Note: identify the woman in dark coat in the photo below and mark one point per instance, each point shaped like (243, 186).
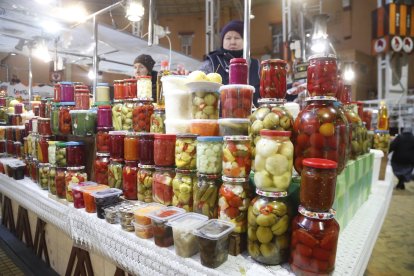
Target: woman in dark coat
(402, 160)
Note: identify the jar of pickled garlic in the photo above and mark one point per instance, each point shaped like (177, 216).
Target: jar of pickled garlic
(204, 100)
(273, 79)
(118, 90)
(164, 149)
(61, 154)
(205, 195)
(101, 168)
(268, 229)
(186, 151)
(236, 100)
(51, 180)
(102, 139)
(273, 162)
(131, 149)
(82, 99)
(54, 119)
(162, 189)
(141, 116)
(321, 130)
(313, 243)
(130, 178)
(115, 174)
(130, 88)
(146, 148)
(233, 202)
(144, 88)
(238, 71)
(145, 180)
(183, 183)
(102, 92)
(237, 156)
(104, 116)
(65, 121)
(157, 122)
(75, 154)
(116, 145)
(60, 182)
(43, 149)
(209, 154)
(74, 176)
(322, 75)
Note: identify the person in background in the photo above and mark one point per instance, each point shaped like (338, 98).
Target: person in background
(143, 66)
(402, 161)
(218, 61)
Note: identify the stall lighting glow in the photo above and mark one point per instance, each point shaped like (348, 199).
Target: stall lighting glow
(41, 51)
(349, 75)
(51, 27)
(44, 2)
(91, 75)
(135, 11)
(319, 45)
(76, 13)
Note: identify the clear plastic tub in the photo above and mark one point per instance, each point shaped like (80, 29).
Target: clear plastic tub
(231, 126)
(77, 193)
(163, 236)
(105, 198)
(141, 214)
(176, 126)
(204, 99)
(143, 231)
(177, 98)
(88, 199)
(205, 127)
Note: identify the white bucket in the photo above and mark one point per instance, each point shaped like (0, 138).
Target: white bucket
(177, 97)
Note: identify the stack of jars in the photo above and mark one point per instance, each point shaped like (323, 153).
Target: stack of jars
(116, 160)
(3, 111)
(32, 149)
(15, 118)
(146, 167)
(314, 230)
(130, 170)
(102, 142)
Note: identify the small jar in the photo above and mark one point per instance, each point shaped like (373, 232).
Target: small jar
(82, 99)
(51, 152)
(382, 140)
(44, 127)
(75, 154)
(186, 151)
(74, 176)
(65, 121)
(61, 154)
(116, 145)
(101, 168)
(141, 116)
(209, 154)
(318, 184)
(314, 242)
(130, 88)
(183, 183)
(146, 148)
(17, 150)
(144, 87)
(236, 100)
(102, 140)
(158, 121)
(102, 92)
(67, 91)
(131, 149)
(145, 180)
(60, 182)
(130, 178)
(164, 149)
(83, 122)
(162, 190)
(104, 116)
(273, 79)
(237, 156)
(51, 180)
(205, 195)
(238, 71)
(43, 149)
(322, 75)
(43, 175)
(54, 119)
(115, 174)
(118, 89)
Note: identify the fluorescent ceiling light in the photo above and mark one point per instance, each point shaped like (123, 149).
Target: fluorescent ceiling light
(51, 27)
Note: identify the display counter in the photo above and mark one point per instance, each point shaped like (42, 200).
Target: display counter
(111, 246)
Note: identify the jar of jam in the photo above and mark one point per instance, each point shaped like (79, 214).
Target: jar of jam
(382, 140)
(54, 118)
(144, 88)
(65, 121)
(43, 149)
(186, 151)
(273, 162)
(43, 175)
(321, 131)
(131, 149)
(238, 71)
(115, 174)
(164, 149)
(74, 176)
(141, 116)
(209, 154)
(67, 91)
(61, 154)
(75, 154)
(205, 195)
(314, 242)
(322, 75)
(157, 124)
(273, 79)
(104, 116)
(44, 127)
(146, 148)
(118, 89)
(145, 180)
(82, 99)
(102, 140)
(183, 184)
(17, 150)
(102, 92)
(162, 189)
(234, 201)
(130, 88)
(10, 148)
(60, 182)
(237, 156)
(101, 168)
(51, 180)
(130, 178)
(236, 100)
(116, 145)
(268, 228)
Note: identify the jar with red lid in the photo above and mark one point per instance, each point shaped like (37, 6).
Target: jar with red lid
(104, 117)
(131, 149)
(162, 188)
(145, 180)
(238, 71)
(164, 149)
(314, 242)
(101, 168)
(318, 184)
(17, 149)
(321, 130)
(74, 176)
(236, 100)
(146, 148)
(60, 182)
(57, 93)
(42, 108)
(130, 178)
(82, 99)
(130, 88)
(43, 149)
(75, 154)
(237, 156)
(141, 116)
(322, 76)
(102, 140)
(115, 174)
(144, 88)
(10, 148)
(116, 144)
(65, 121)
(118, 89)
(67, 91)
(44, 127)
(273, 79)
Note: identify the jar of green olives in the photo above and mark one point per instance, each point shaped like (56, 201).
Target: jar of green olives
(51, 180)
(43, 175)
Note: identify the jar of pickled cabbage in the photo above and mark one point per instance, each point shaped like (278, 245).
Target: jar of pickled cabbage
(183, 183)
(322, 75)
(144, 88)
(237, 156)
(209, 154)
(205, 195)
(186, 151)
(101, 168)
(141, 116)
(162, 189)
(129, 177)
(157, 124)
(115, 174)
(145, 180)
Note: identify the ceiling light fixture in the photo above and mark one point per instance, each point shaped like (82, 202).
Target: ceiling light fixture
(41, 51)
(135, 11)
(51, 27)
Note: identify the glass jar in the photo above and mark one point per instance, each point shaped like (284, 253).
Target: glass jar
(367, 118)
(104, 116)
(10, 148)
(56, 93)
(61, 154)
(146, 148)
(101, 168)
(67, 92)
(35, 125)
(273, 162)
(164, 149)
(382, 140)
(322, 75)
(268, 229)
(15, 119)
(3, 111)
(236, 100)
(43, 149)
(130, 178)
(321, 131)
(126, 115)
(60, 182)
(102, 140)
(233, 202)
(118, 89)
(75, 154)
(102, 92)
(157, 124)
(42, 108)
(17, 150)
(33, 170)
(130, 88)
(54, 118)
(51, 180)
(34, 145)
(116, 145)
(115, 174)
(51, 152)
(145, 180)
(205, 195)
(48, 108)
(204, 100)
(65, 121)
(238, 71)
(3, 149)
(117, 112)
(273, 79)
(74, 176)
(237, 156)
(356, 131)
(314, 242)
(144, 88)
(131, 149)
(83, 122)
(162, 190)
(3, 132)
(183, 183)
(82, 99)
(20, 133)
(43, 175)
(186, 152)
(209, 154)
(141, 116)
(10, 133)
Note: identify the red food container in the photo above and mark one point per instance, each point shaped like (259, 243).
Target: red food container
(273, 79)
(44, 127)
(116, 145)
(131, 149)
(65, 121)
(236, 100)
(141, 116)
(75, 154)
(104, 116)
(130, 178)
(102, 140)
(322, 76)
(164, 149)
(130, 88)
(238, 71)
(146, 148)
(77, 193)
(101, 168)
(42, 108)
(118, 89)
(60, 182)
(162, 190)
(82, 99)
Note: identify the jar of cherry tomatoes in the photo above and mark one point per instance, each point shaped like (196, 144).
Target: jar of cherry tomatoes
(60, 182)
(44, 127)
(116, 145)
(183, 183)
(131, 149)
(75, 154)
(164, 149)
(146, 148)
(322, 75)
(162, 186)
(130, 178)
(65, 121)
(236, 100)
(101, 168)
(314, 242)
(104, 116)
(237, 156)
(238, 71)
(273, 79)
(321, 131)
(43, 149)
(102, 139)
(82, 99)
(145, 180)
(141, 116)
(130, 88)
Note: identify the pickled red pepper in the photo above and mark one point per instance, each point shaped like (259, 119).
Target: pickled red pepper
(129, 176)
(141, 116)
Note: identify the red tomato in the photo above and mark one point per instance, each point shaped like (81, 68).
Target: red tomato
(311, 126)
(232, 212)
(329, 241)
(298, 164)
(230, 103)
(303, 250)
(326, 115)
(241, 113)
(316, 140)
(235, 201)
(332, 155)
(314, 153)
(332, 141)
(296, 125)
(302, 140)
(306, 238)
(321, 254)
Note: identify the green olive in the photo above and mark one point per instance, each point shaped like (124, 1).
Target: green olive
(282, 241)
(266, 220)
(268, 250)
(261, 113)
(257, 126)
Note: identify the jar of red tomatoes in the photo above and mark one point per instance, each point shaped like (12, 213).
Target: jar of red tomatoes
(65, 121)
(273, 79)
(238, 71)
(130, 88)
(162, 188)
(116, 145)
(321, 131)
(67, 90)
(60, 182)
(164, 149)
(44, 126)
(75, 154)
(101, 168)
(141, 116)
(102, 139)
(146, 148)
(322, 75)
(82, 98)
(104, 116)
(131, 149)
(118, 89)
(130, 178)
(236, 100)
(314, 242)
(145, 180)
(43, 149)
(237, 156)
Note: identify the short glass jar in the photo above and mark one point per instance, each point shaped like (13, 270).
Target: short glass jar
(186, 151)
(129, 180)
(101, 168)
(209, 154)
(237, 156)
(205, 195)
(273, 79)
(130, 88)
(104, 116)
(183, 183)
(116, 145)
(82, 99)
(102, 92)
(322, 75)
(115, 174)
(75, 154)
(236, 100)
(157, 124)
(44, 127)
(146, 148)
(118, 89)
(238, 71)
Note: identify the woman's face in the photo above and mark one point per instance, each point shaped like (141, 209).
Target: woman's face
(232, 41)
(140, 70)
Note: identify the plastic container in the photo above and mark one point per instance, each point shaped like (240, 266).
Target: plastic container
(43, 175)
(104, 199)
(145, 180)
(141, 214)
(204, 99)
(143, 232)
(104, 116)
(230, 127)
(116, 145)
(162, 189)
(118, 89)
(101, 168)
(186, 152)
(115, 174)
(183, 183)
(75, 154)
(141, 116)
(209, 154)
(177, 126)
(131, 149)
(238, 71)
(66, 92)
(77, 193)
(164, 149)
(61, 154)
(273, 79)
(322, 75)
(112, 213)
(130, 178)
(237, 156)
(157, 124)
(65, 120)
(88, 199)
(236, 101)
(130, 88)
(144, 87)
(205, 195)
(102, 92)
(163, 236)
(83, 122)
(73, 176)
(102, 140)
(204, 127)
(177, 98)
(146, 148)
(44, 126)
(18, 169)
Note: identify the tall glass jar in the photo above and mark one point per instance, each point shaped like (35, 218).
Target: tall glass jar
(54, 118)
(101, 168)
(82, 99)
(51, 152)
(205, 195)
(118, 89)
(116, 145)
(43, 175)
(322, 75)
(3, 111)
(43, 149)
(183, 183)
(146, 148)
(144, 88)
(67, 90)
(34, 139)
(44, 127)
(273, 79)
(130, 178)
(75, 154)
(56, 93)
(51, 180)
(60, 182)
(115, 174)
(130, 88)
(74, 176)
(238, 71)
(131, 149)
(141, 116)
(356, 131)
(237, 156)
(209, 154)
(268, 231)
(104, 116)
(65, 121)
(164, 149)
(145, 180)
(102, 92)
(61, 154)
(157, 124)
(274, 161)
(162, 190)
(117, 112)
(186, 152)
(126, 116)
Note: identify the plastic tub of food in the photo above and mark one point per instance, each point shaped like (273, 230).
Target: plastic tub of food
(143, 231)
(141, 214)
(163, 236)
(177, 98)
(77, 193)
(185, 243)
(204, 99)
(88, 199)
(236, 100)
(176, 126)
(205, 127)
(105, 198)
(229, 126)
(112, 213)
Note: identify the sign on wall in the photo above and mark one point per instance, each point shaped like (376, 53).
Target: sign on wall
(20, 90)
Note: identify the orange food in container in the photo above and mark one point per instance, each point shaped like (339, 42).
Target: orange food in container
(204, 127)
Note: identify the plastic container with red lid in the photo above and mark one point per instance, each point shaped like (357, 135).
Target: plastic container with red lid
(164, 149)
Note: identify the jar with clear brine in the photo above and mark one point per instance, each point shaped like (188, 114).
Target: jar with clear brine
(322, 76)
(205, 195)
(43, 175)
(51, 180)
(209, 154)
(186, 151)
(183, 183)
(141, 116)
(101, 168)
(129, 177)
(61, 154)
(145, 180)
(237, 156)
(158, 121)
(115, 174)
(204, 100)
(51, 152)
(54, 118)
(162, 190)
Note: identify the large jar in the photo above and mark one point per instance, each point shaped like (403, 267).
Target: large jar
(322, 75)
(101, 168)
(43, 175)
(186, 152)
(117, 115)
(61, 154)
(321, 131)
(162, 189)
(66, 92)
(183, 183)
(118, 89)
(42, 149)
(204, 100)
(209, 154)
(236, 100)
(102, 140)
(130, 178)
(382, 140)
(274, 161)
(164, 149)
(82, 98)
(115, 174)
(268, 230)
(131, 149)
(205, 195)
(102, 92)
(237, 156)
(314, 242)
(238, 71)
(44, 127)
(65, 121)
(356, 132)
(74, 176)
(75, 154)
(60, 182)
(51, 180)
(116, 145)
(144, 88)
(130, 88)
(54, 118)
(51, 152)
(273, 79)
(104, 116)
(157, 124)
(146, 148)
(83, 122)
(145, 180)
(141, 116)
